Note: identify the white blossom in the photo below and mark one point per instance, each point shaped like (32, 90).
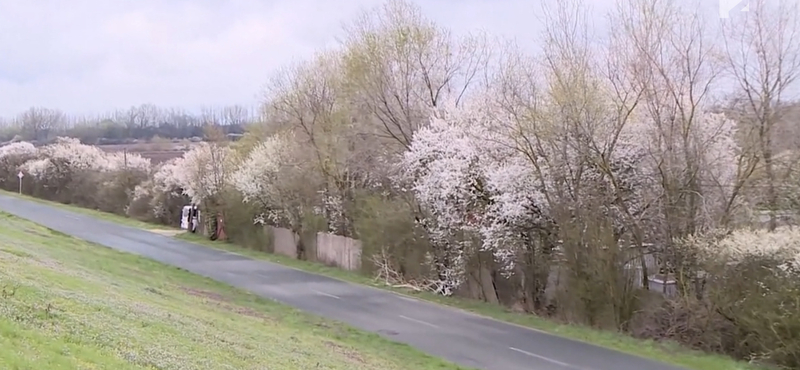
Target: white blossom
(203, 171)
(256, 175)
(256, 178)
(116, 161)
(143, 190)
(472, 181)
(38, 168)
(74, 156)
(168, 180)
(77, 156)
(170, 176)
(782, 244)
(21, 148)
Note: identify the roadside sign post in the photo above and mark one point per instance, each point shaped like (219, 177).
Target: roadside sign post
(20, 175)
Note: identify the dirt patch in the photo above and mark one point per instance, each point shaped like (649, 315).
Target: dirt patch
(204, 294)
(220, 301)
(167, 232)
(347, 352)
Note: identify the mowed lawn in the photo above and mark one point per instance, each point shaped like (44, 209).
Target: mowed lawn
(69, 304)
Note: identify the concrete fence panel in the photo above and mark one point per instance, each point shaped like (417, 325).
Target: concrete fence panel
(339, 251)
(285, 242)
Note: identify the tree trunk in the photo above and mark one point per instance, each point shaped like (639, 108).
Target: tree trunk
(487, 284)
(772, 196)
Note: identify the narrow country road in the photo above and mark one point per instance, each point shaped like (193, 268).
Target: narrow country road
(463, 338)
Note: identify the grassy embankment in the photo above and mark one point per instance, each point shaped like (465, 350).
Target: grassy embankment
(69, 304)
(665, 352)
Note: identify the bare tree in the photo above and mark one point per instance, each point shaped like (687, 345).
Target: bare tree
(210, 116)
(180, 120)
(146, 116)
(41, 123)
(576, 134)
(235, 115)
(675, 65)
(763, 58)
(307, 98)
(399, 65)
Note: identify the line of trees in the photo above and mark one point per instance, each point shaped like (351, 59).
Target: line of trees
(43, 125)
(562, 184)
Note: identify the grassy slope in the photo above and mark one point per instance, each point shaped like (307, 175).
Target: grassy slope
(68, 304)
(666, 352)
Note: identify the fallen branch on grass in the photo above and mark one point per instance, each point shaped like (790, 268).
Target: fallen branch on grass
(389, 276)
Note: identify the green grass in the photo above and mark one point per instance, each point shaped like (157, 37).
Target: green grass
(91, 212)
(69, 304)
(665, 352)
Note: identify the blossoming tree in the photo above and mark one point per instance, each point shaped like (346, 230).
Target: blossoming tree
(205, 170)
(273, 178)
(472, 183)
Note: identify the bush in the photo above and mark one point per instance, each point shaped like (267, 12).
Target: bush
(749, 304)
(387, 226)
(240, 225)
(760, 297)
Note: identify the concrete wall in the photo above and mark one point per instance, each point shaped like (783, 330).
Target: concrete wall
(333, 250)
(345, 253)
(339, 251)
(284, 241)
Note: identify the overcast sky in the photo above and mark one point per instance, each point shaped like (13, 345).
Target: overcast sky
(92, 56)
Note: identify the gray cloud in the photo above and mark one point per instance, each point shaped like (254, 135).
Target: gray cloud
(89, 56)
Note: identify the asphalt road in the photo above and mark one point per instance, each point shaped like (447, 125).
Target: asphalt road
(458, 336)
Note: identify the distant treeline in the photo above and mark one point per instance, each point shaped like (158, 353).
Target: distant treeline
(142, 123)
